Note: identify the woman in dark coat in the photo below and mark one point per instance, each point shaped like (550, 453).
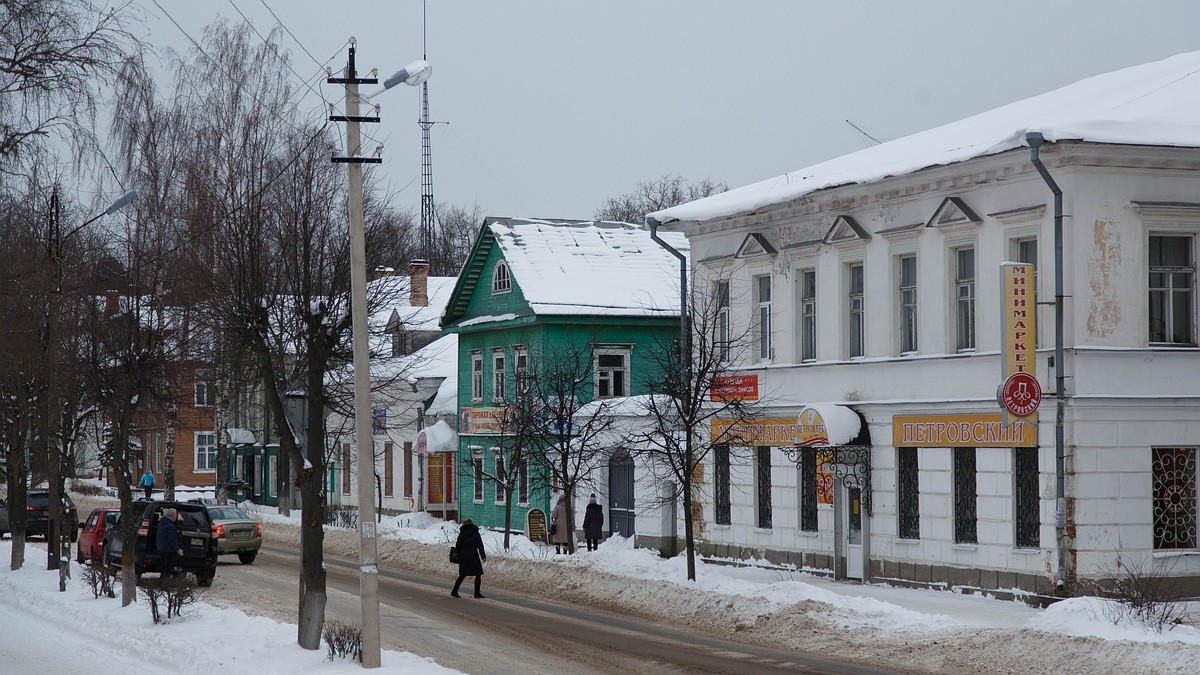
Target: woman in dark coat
(471, 556)
(593, 523)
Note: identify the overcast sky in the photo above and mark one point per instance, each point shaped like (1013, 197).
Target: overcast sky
(555, 106)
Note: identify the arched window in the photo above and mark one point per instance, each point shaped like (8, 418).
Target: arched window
(501, 281)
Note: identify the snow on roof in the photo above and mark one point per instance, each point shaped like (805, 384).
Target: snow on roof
(398, 292)
(1150, 104)
(591, 268)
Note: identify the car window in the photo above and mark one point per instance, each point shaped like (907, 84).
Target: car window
(228, 513)
(91, 521)
(110, 518)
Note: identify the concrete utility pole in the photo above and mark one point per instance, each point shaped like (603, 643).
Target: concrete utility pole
(365, 456)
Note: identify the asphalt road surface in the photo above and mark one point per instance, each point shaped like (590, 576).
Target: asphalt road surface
(504, 633)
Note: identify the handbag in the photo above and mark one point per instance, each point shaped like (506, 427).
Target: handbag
(454, 554)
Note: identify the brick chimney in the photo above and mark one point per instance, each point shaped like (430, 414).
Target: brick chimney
(418, 282)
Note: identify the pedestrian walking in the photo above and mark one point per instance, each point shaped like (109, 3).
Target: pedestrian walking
(166, 540)
(471, 556)
(146, 482)
(563, 530)
(593, 523)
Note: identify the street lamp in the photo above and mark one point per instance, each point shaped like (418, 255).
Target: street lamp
(57, 538)
(415, 73)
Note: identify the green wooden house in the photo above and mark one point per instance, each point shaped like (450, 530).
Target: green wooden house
(535, 290)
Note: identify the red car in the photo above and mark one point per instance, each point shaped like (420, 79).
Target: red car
(93, 532)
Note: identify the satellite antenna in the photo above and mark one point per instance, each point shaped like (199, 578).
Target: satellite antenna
(864, 133)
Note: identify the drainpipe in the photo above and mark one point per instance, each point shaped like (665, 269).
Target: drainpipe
(685, 354)
(1035, 141)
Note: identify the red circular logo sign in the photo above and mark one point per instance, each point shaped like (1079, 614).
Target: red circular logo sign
(1021, 394)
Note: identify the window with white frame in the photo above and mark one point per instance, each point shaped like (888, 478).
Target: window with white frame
(964, 298)
(523, 482)
(476, 375)
(205, 451)
(808, 314)
(498, 375)
(501, 476)
(762, 302)
(856, 310)
(1026, 251)
(611, 366)
(477, 471)
(723, 326)
(521, 369)
(1172, 290)
(501, 280)
(908, 304)
(1173, 472)
(205, 387)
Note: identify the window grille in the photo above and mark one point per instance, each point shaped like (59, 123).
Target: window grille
(1174, 478)
(763, 473)
(908, 493)
(808, 490)
(722, 507)
(1026, 497)
(965, 493)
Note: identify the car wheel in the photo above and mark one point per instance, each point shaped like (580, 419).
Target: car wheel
(205, 579)
(247, 557)
(79, 555)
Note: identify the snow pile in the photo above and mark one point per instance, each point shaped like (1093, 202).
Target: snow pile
(1090, 617)
(205, 640)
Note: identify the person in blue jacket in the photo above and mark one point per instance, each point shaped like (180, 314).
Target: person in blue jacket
(166, 540)
(146, 482)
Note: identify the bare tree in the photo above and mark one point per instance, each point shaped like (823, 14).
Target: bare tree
(677, 437)
(51, 55)
(660, 193)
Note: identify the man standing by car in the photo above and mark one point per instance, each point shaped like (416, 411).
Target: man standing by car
(146, 482)
(166, 540)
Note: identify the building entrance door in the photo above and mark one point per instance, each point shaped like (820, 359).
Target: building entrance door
(854, 534)
(620, 494)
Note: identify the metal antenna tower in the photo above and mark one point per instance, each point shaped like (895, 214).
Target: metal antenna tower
(428, 214)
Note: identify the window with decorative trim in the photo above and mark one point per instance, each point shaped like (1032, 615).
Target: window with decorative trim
(808, 314)
(476, 375)
(205, 451)
(521, 369)
(498, 375)
(1172, 286)
(856, 310)
(205, 390)
(762, 301)
(501, 279)
(964, 298)
(1025, 250)
(477, 471)
(611, 367)
(501, 478)
(1174, 477)
(907, 290)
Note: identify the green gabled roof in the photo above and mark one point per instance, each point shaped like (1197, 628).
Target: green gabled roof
(468, 278)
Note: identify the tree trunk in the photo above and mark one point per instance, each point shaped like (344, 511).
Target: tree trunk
(688, 532)
(129, 524)
(312, 572)
(18, 476)
(169, 460)
(221, 426)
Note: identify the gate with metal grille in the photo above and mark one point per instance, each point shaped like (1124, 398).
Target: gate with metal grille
(620, 495)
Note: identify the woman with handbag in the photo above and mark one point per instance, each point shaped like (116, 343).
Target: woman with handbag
(471, 556)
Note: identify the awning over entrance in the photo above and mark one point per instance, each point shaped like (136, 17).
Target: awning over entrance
(241, 436)
(437, 438)
(824, 425)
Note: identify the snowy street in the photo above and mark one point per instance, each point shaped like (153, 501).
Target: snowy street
(874, 626)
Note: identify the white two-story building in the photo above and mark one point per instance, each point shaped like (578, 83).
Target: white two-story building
(873, 290)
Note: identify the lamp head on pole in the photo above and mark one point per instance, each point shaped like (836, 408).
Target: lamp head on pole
(121, 202)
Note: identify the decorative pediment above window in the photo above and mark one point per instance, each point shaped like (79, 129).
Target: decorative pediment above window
(846, 229)
(755, 244)
(953, 211)
(1024, 214)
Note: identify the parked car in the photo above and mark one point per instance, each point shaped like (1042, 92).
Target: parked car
(93, 532)
(236, 532)
(195, 537)
(37, 504)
